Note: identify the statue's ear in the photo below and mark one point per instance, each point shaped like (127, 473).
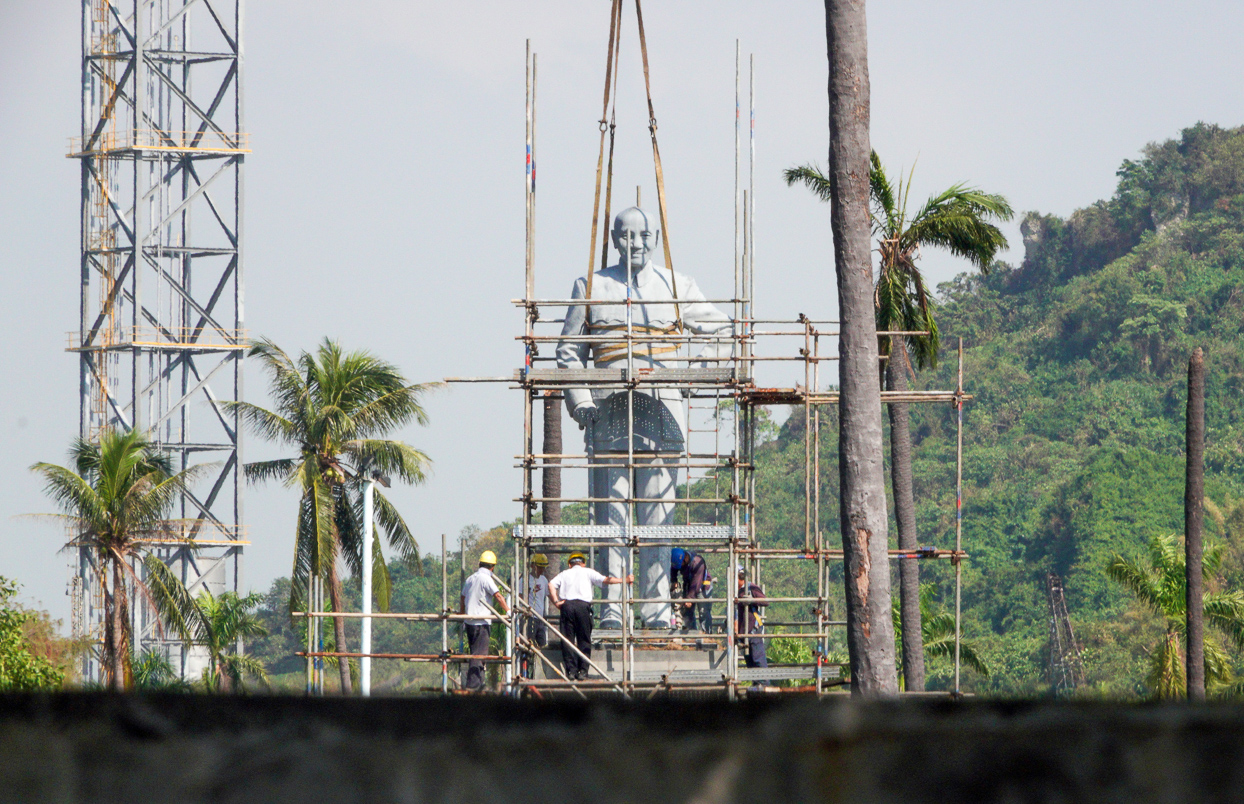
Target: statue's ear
(656, 241)
(616, 236)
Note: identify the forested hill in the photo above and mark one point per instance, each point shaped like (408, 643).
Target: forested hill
(1078, 360)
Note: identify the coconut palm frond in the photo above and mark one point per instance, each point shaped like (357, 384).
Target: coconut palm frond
(397, 533)
(390, 458)
(283, 469)
(173, 602)
(72, 493)
(323, 521)
(392, 409)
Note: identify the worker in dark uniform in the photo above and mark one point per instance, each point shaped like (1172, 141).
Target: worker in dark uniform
(697, 583)
(571, 593)
(748, 620)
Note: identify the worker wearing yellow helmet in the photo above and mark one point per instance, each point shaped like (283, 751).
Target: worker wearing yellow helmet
(479, 591)
(571, 592)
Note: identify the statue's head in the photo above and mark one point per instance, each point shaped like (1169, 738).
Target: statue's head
(638, 231)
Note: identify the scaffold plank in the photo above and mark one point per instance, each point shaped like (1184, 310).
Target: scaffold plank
(721, 533)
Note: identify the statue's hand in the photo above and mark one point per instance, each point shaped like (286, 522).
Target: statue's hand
(585, 415)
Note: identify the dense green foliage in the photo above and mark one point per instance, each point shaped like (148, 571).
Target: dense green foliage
(21, 668)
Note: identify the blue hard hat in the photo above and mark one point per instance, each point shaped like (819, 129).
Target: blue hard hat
(676, 557)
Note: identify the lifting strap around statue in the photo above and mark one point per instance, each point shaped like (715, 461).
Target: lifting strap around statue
(656, 161)
(615, 32)
(608, 124)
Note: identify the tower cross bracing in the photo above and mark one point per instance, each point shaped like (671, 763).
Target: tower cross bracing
(161, 336)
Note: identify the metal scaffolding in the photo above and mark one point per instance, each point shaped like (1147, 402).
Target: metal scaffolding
(161, 338)
(717, 375)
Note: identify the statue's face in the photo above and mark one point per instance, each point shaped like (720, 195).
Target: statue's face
(635, 236)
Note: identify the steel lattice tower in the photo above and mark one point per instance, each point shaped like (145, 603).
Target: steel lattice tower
(161, 339)
(1066, 668)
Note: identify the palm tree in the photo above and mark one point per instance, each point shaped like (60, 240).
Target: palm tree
(1159, 583)
(218, 624)
(862, 509)
(116, 497)
(959, 220)
(334, 407)
(938, 635)
(153, 671)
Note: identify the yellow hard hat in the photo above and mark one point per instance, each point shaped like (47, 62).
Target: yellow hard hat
(488, 557)
(540, 560)
(579, 556)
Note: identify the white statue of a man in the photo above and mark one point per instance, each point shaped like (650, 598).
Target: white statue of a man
(659, 421)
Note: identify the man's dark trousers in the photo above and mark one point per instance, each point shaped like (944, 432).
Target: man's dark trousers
(477, 642)
(756, 656)
(576, 627)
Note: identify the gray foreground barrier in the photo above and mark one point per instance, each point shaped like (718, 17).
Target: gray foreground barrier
(191, 748)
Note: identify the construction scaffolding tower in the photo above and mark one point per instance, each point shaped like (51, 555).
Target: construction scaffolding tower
(717, 500)
(1066, 669)
(161, 339)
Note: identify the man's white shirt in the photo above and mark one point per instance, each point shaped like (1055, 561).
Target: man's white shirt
(537, 592)
(479, 589)
(576, 583)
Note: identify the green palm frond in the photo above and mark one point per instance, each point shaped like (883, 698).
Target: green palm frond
(393, 409)
(73, 493)
(349, 522)
(1138, 580)
(283, 469)
(152, 671)
(270, 425)
(885, 207)
(1225, 611)
(809, 176)
(1166, 669)
(397, 533)
(238, 668)
(938, 629)
(173, 602)
(323, 522)
(390, 458)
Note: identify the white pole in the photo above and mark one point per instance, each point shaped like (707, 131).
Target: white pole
(369, 487)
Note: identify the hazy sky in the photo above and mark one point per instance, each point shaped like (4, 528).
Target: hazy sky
(384, 195)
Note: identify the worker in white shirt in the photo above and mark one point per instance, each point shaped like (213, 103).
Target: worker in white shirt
(537, 593)
(479, 591)
(571, 593)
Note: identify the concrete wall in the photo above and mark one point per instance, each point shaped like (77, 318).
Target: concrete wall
(95, 748)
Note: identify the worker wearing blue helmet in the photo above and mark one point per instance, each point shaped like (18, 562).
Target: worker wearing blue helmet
(697, 583)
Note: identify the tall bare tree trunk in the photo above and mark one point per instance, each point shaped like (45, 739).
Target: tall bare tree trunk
(551, 482)
(1194, 499)
(870, 630)
(905, 516)
(339, 626)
